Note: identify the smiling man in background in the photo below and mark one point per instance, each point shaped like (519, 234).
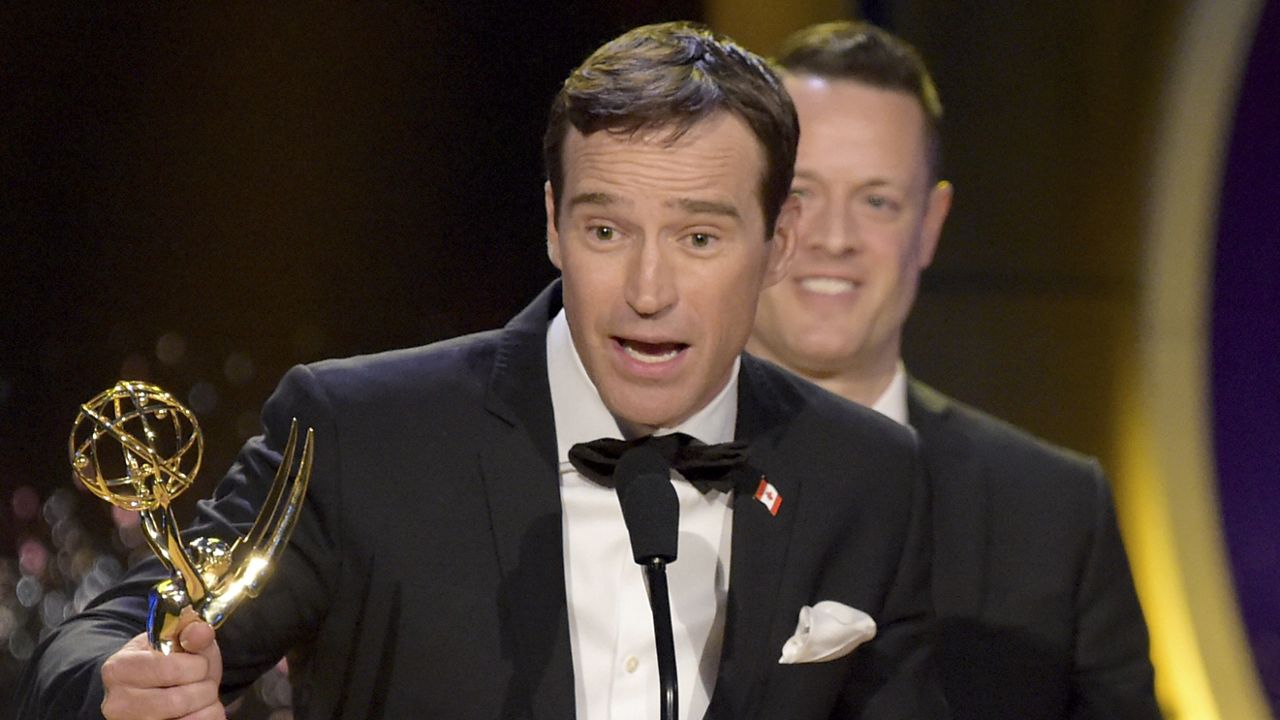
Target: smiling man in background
(1038, 617)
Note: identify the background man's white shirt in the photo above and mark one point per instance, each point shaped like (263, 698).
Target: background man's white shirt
(893, 401)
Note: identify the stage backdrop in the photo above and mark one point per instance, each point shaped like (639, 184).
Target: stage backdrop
(1245, 350)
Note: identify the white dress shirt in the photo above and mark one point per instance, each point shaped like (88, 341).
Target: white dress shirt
(610, 625)
(893, 401)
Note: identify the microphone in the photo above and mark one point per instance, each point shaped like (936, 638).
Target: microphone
(651, 512)
(649, 504)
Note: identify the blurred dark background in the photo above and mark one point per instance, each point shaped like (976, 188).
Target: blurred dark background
(202, 196)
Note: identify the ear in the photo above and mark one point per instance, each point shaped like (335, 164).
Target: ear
(553, 234)
(782, 247)
(935, 214)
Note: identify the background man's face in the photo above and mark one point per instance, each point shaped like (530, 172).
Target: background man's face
(869, 223)
(663, 251)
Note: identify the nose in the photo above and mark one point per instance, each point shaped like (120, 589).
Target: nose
(651, 284)
(829, 229)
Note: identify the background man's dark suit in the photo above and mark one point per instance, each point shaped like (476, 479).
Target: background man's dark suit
(1037, 613)
(426, 576)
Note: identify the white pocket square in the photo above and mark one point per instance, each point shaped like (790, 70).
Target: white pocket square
(827, 631)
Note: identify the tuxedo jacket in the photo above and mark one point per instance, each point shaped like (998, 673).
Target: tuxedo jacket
(426, 575)
(1036, 607)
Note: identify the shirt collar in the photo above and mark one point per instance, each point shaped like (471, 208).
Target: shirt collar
(581, 416)
(893, 401)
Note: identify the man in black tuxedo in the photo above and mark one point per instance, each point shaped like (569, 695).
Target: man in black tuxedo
(1037, 612)
(452, 562)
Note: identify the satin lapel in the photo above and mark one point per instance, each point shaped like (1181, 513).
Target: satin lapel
(521, 482)
(960, 512)
(753, 636)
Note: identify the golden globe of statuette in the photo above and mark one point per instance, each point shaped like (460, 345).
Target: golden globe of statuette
(135, 446)
(138, 448)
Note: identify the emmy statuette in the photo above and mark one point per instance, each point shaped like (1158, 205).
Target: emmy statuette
(138, 448)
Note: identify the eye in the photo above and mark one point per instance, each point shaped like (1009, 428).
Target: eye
(800, 192)
(883, 204)
(603, 232)
(701, 240)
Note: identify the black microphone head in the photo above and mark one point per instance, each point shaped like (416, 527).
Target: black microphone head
(649, 504)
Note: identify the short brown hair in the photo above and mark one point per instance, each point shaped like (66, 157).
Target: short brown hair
(669, 77)
(861, 52)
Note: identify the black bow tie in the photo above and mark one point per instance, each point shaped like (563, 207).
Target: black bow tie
(707, 467)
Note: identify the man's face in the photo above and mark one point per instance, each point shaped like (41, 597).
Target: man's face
(663, 251)
(869, 223)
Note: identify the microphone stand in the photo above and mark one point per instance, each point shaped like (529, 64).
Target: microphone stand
(655, 571)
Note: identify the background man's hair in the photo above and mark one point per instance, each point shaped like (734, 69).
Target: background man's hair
(861, 52)
(668, 77)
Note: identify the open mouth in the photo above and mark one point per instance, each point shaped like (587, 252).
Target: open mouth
(650, 353)
(827, 285)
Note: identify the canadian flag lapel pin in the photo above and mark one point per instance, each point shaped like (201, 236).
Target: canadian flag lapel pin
(768, 496)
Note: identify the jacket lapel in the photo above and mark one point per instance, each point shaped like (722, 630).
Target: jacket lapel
(752, 638)
(960, 517)
(520, 478)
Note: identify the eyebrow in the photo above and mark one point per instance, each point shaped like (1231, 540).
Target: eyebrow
(692, 205)
(709, 207)
(876, 181)
(593, 198)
